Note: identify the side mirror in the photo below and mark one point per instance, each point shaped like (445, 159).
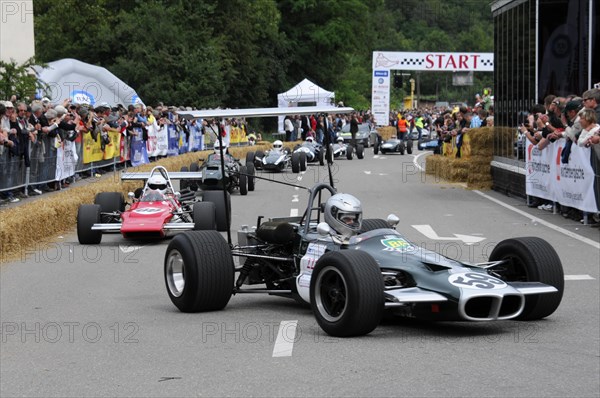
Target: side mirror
(392, 220)
(323, 229)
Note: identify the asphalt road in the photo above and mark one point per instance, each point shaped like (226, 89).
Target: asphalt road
(96, 320)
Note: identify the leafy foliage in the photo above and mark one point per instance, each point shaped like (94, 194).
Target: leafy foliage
(240, 53)
(19, 79)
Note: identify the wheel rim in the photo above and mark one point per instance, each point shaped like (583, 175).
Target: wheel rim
(513, 270)
(175, 273)
(331, 294)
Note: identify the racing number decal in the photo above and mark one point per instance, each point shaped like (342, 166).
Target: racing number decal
(148, 210)
(476, 280)
(309, 260)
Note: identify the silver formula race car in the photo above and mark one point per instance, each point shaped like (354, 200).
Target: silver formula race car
(350, 281)
(278, 159)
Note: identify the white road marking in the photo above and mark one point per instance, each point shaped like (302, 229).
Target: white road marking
(578, 278)
(367, 172)
(416, 160)
(543, 222)
(428, 231)
(300, 175)
(293, 212)
(295, 198)
(286, 335)
(129, 248)
(523, 213)
(383, 174)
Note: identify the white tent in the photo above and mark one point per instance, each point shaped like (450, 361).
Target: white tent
(85, 83)
(305, 93)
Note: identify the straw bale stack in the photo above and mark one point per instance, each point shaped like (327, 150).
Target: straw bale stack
(387, 132)
(474, 170)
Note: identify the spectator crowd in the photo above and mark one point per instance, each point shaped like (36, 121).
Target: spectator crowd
(574, 118)
(31, 133)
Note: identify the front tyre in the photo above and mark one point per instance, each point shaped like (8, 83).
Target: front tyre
(346, 293)
(295, 162)
(199, 271)
(87, 216)
(531, 259)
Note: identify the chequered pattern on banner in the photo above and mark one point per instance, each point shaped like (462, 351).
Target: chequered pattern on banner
(487, 62)
(412, 61)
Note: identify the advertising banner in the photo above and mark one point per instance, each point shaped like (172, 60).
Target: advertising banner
(570, 184)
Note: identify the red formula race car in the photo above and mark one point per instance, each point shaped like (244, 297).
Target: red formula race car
(153, 211)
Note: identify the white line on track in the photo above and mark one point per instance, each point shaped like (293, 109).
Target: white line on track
(416, 160)
(286, 335)
(578, 278)
(543, 222)
(295, 198)
(129, 248)
(293, 212)
(525, 214)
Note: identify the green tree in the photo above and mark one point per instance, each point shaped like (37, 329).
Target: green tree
(19, 79)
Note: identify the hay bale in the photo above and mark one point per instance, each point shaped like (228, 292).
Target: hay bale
(482, 139)
(387, 132)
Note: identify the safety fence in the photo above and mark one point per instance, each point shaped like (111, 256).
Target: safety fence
(52, 159)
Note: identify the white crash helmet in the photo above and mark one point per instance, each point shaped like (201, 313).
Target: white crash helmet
(217, 147)
(340, 140)
(343, 213)
(277, 144)
(158, 183)
(310, 139)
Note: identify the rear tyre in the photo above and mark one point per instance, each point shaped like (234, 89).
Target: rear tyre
(376, 148)
(369, 224)
(531, 259)
(346, 293)
(401, 147)
(205, 216)
(251, 179)
(258, 156)
(88, 215)
(409, 147)
(349, 152)
(199, 271)
(321, 157)
(360, 151)
(110, 202)
(183, 183)
(243, 180)
(296, 162)
(223, 208)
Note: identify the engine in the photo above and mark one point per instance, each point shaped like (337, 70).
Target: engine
(267, 256)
